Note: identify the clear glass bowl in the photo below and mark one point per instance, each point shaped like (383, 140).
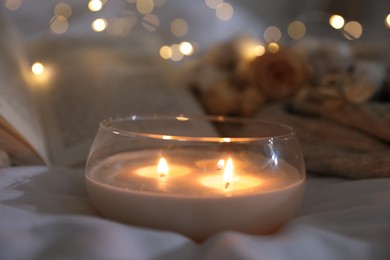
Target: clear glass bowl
(196, 175)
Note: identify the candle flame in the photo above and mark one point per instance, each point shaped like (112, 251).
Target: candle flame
(228, 173)
(162, 168)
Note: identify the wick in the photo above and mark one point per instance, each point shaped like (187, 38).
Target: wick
(162, 175)
(227, 185)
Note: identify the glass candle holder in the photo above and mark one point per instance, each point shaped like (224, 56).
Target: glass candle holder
(196, 175)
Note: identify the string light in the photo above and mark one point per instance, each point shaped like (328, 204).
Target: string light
(145, 6)
(387, 21)
(99, 25)
(186, 48)
(95, 5)
(272, 34)
(273, 47)
(213, 4)
(259, 50)
(179, 27)
(63, 9)
(352, 30)
(336, 21)
(224, 11)
(166, 52)
(37, 68)
(296, 30)
(176, 54)
(12, 5)
(59, 24)
(150, 22)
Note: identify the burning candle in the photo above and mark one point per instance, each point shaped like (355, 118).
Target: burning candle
(135, 187)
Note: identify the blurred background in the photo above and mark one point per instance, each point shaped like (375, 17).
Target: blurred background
(199, 23)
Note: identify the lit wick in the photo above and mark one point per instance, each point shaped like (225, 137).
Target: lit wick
(162, 168)
(228, 173)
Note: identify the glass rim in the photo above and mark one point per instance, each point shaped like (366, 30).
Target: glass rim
(106, 125)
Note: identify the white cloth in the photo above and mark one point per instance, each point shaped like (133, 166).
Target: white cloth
(45, 214)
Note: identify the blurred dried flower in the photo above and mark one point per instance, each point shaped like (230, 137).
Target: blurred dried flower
(281, 74)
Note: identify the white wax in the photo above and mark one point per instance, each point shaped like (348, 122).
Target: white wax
(183, 204)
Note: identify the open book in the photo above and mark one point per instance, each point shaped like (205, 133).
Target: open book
(52, 118)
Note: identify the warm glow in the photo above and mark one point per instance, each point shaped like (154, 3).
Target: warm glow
(12, 4)
(179, 27)
(272, 34)
(63, 9)
(150, 22)
(250, 49)
(37, 68)
(59, 24)
(182, 118)
(95, 5)
(162, 168)
(166, 52)
(224, 11)
(259, 50)
(145, 6)
(273, 47)
(353, 30)
(336, 21)
(99, 25)
(220, 164)
(228, 173)
(387, 21)
(186, 48)
(296, 30)
(213, 4)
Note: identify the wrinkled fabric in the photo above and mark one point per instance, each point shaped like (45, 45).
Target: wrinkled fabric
(45, 213)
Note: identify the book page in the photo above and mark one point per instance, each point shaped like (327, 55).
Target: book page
(16, 109)
(95, 81)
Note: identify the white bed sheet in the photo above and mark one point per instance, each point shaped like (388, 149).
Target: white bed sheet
(45, 214)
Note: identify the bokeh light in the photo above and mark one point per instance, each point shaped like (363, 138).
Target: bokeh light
(250, 49)
(99, 25)
(179, 27)
(272, 34)
(37, 68)
(145, 6)
(95, 5)
(296, 30)
(186, 48)
(273, 47)
(59, 24)
(224, 11)
(166, 52)
(352, 30)
(387, 21)
(63, 9)
(336, 21)
(176, 53)
(12, 5)
(150, 22)
(259, 50)
(213, 4)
